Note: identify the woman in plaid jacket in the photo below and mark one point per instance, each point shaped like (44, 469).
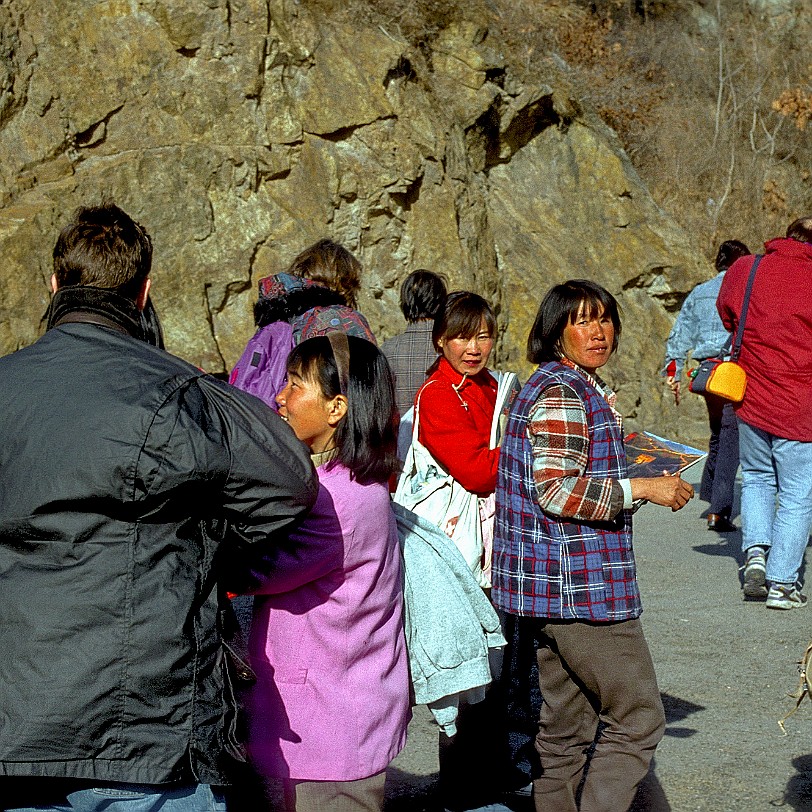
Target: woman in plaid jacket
(563, 555)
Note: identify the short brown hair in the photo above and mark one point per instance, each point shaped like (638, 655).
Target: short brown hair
(103, 247)
(332, 265)
(800, 230)
(729, 251)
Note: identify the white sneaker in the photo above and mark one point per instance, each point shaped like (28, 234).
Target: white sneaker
(755, 577)
(785, 596)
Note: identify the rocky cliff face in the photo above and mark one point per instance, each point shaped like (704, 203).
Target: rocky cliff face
(239, 132)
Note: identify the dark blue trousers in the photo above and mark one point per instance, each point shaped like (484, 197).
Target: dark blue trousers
(719, 476)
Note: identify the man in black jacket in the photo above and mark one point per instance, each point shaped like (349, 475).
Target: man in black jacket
(130, 483)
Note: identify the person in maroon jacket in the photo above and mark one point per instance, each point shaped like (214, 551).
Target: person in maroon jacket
(775, 417)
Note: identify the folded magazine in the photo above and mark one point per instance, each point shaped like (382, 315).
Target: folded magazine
(650, 455)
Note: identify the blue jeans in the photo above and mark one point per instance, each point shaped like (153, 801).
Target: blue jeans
(128, 798)
(776, 469)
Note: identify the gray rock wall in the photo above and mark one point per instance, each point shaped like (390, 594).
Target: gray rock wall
(239, 132)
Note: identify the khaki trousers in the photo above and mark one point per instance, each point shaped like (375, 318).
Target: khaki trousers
(363, 795)
(591, 672)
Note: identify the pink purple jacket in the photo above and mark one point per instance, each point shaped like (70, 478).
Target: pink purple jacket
(331, 701)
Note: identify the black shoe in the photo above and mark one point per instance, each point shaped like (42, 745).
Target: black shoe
(721, 524)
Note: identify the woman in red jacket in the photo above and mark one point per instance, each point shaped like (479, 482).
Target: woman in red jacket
(456, 406)
(458, 398)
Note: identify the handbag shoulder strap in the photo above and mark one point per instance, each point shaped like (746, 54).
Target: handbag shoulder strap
(416, 420)
(737, 344)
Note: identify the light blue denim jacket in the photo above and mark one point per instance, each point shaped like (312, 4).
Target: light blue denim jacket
(698, 326)
(450, 624)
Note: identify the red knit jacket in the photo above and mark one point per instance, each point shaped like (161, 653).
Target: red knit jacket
(777, 347)
(456, 426)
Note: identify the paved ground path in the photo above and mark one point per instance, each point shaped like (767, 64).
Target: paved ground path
(724, 668)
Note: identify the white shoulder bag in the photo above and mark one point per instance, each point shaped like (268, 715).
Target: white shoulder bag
(428, 490)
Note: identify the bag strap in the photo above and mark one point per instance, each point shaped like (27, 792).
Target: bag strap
(737, 344)
(416, 418)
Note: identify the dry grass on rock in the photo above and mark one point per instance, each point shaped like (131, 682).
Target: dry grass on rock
(711, 100)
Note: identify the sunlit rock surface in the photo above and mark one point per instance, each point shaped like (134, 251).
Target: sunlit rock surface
(238, 133)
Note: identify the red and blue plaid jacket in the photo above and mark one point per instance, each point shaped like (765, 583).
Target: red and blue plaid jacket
(551, 566)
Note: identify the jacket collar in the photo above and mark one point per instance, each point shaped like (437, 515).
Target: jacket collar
(459, 381)
(788, 247)
(606, 392)
(79, 303)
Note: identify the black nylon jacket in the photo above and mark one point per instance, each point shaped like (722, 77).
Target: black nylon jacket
(127, 477)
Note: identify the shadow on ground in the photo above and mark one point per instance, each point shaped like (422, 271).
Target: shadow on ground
(798, 794)
(677, 710)
(651, 795)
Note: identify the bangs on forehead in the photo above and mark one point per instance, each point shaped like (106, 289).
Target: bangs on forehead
(591, 306)
(302, 363)
(467, 325)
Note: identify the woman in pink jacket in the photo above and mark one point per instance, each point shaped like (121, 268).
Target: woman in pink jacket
(331, 704)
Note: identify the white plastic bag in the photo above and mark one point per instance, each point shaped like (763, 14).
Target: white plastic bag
(428, 490)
